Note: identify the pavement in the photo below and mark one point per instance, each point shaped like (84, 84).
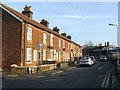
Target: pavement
(45, 74)
(115, 83)
(115, 80)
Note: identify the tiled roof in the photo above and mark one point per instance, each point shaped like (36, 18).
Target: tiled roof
(35, 23)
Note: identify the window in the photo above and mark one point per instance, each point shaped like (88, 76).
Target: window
(51, 39)
(71, 46)
(63, 44)
(29, 34)
(35, 55)
(59, 43)
(44, 38)
(51, 53)
(59, 55)
(44, 54)
(29, 55)
(68, 45)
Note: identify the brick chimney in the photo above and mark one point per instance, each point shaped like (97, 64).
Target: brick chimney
(45, 22)
(28, 11)
(56, 29)
(64, 34)
(69, 37)
(107, 44)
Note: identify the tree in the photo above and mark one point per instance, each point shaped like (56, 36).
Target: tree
(89, 44)
(88, 47)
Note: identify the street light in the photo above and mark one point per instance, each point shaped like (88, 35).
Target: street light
(118, 45)
(113, 25)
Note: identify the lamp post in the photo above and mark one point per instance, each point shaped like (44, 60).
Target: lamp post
(118, 45)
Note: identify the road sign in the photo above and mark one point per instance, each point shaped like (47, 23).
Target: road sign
(40, 46)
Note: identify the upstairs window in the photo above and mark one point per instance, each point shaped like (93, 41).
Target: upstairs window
(29, 34)
(63, 44)
(59, 43)
(51, 39)
(44, 38)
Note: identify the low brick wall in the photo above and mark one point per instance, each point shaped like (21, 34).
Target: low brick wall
(24, 69)
(47, 67)
(62, 65)
(32, 69)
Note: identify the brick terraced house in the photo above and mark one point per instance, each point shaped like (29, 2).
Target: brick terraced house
(28, 43)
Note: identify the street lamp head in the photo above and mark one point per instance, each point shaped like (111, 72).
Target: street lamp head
(112, 24)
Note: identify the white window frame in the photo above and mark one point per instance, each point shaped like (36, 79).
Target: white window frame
(71, 46)
(68, 45)
(59, 42)
(35, 55)
(44, 54)
(29, 33)
(44, 38)
(63, 44)
(59, 55)
(51, 53)
(51, 39)
(29, 55)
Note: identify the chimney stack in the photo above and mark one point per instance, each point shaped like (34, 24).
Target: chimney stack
(28, 11)
(45, 22)
(64, 34)
(107, 44)
(56, 29)
(69, 37)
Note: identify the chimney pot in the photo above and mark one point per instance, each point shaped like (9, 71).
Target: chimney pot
(69, 37)
(56, 29)
(64, 34)
(28, 11)
(45, 22)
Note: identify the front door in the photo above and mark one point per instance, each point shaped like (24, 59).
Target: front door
(39, 59)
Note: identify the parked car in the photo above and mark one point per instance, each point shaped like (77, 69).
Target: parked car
(85, 61)
(103, 58)
(93, 58)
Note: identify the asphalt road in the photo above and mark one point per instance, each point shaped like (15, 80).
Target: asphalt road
(96, 76)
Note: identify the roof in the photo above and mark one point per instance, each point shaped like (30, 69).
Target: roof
(35, 23)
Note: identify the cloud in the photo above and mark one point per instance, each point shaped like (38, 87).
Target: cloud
(83, 17)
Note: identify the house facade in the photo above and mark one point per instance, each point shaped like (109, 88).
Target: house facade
(26, 42)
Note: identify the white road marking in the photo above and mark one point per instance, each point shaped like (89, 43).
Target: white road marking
(100, 68)
(107, 80)
(104, 80)
(71, 68)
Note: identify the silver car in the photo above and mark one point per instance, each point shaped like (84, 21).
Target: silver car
(93, 58)
(103, 58)
(86, 61)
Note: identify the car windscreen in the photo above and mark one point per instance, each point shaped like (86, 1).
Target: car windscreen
(84, 58)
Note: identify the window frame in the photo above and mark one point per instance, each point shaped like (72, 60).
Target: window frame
(28, 56)
(29, 33)
(35, 55)
(44, 38)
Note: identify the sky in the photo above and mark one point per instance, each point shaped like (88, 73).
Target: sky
(84, 21)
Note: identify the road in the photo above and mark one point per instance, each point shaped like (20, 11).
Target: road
(96, 76)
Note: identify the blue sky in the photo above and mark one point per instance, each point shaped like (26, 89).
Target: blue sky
(84, 21)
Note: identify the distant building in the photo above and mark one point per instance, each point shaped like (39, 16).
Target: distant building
(26, 42)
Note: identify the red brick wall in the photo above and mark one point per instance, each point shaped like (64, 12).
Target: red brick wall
(11, 40)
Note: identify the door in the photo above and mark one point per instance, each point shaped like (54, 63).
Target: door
(39, 59)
